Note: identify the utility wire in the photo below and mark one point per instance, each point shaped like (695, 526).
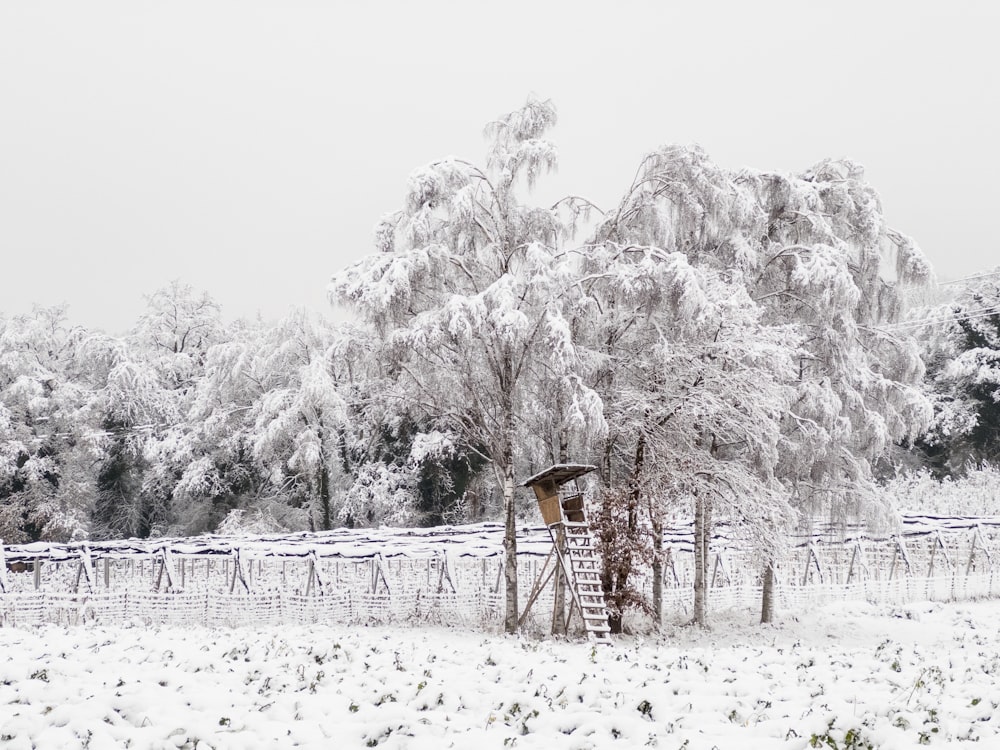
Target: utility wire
(985, 312)
(970, 278)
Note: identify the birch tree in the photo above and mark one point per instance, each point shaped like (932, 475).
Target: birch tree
(465, 294)
(694, 386)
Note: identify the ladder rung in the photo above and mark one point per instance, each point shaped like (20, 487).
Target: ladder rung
(585, 576)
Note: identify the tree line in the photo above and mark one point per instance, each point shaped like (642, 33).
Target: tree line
(750, 345)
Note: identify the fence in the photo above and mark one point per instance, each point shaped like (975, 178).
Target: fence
(454, 576)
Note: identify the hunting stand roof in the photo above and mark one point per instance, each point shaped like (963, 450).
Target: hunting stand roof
(560, 474)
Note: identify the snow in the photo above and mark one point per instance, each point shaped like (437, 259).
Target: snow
(922, 674)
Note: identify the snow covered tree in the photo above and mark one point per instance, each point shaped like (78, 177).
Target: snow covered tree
(299, 425)
(694, 386)
(268, 427)
(961, 344)
(129, 403)
(204, 462)
(824, 254)
(808, 249)
(465, 294)
(46, 491)
(177, 329)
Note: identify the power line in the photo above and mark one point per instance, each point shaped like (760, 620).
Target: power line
(970, 278)
(984, 312)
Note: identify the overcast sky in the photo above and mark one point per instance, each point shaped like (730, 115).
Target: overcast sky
(248, 148)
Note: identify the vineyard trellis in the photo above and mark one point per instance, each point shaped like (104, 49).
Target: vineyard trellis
(454, 575)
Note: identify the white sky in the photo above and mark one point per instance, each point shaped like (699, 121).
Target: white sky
(248, 148)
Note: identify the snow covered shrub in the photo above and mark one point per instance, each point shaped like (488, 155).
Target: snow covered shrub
(625, 545)
(258, 521)
(975, 494)
(382, 495)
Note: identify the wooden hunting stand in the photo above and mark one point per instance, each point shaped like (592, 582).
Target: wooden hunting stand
(577, 565)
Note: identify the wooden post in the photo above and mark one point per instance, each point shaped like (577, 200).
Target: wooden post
(541, 581)
(38, 573)
(899, 552)
(310, 579)
(937, 542)
(857, 559)
(972, 552)
(720, 564)
(4, 584)
(559, 623)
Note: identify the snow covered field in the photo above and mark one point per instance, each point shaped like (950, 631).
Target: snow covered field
(843, 675)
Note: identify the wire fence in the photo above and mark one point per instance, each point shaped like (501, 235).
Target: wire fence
(250, 584)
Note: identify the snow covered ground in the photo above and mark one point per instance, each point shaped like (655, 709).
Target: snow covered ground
(846, 672)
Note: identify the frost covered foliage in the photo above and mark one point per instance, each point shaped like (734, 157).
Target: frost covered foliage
(976, 493)
(960, 341)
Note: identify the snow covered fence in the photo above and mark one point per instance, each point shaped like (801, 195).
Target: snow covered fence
(453, 575)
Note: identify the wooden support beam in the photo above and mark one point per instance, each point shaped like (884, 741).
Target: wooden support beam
(4, 583)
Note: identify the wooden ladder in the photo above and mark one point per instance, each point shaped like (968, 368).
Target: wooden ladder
(582, 567)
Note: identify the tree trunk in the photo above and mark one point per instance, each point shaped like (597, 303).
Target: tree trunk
(702, 536)
(657, 524)
(510, 518)
(767, 598)
(323, 482)
(559, 591)
(617, 571)
(510, 549)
